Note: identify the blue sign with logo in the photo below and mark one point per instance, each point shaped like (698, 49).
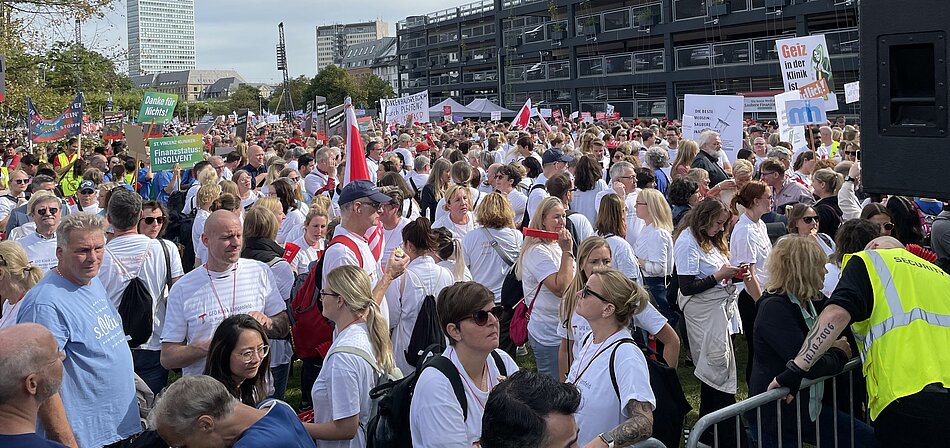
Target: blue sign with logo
(804, 112)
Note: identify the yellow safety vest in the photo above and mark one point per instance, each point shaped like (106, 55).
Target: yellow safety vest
(5, 177)
(70, 183)
(834, 149)
(905, 343)
(66, 160)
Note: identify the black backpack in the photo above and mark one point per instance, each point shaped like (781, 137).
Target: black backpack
(389, 428)
(135, 305)
(427, 332)
(527, 219)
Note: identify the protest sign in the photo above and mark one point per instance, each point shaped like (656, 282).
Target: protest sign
(792, 134)
(204, 125)
(852, 92)
(546, 113)
(240, 123)
(185, 150)
(365, 124)
(720, 113)
(601, 116)
(224, 150)
(610, 109)
(113, 126)
(688, 125)
(407, 109)
(758, 104)
(817, 89)
(3, 78)
(805, 112)
(157, 107)
(496, 115)
(805, 60)
(67, 124)
(135, 138)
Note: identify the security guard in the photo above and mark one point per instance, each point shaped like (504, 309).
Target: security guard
(898, 306)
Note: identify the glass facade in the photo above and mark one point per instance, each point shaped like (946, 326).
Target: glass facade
(161, 36)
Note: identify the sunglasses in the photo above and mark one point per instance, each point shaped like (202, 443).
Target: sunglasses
(850, 153)
(888, 226)
(374, 205)
(809, 219)
(480, 317)
(150, 220)
(45, 211)
(587, 292)
(21, 181)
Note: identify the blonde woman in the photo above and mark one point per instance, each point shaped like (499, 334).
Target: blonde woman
(654, 247)
(204, 174)
(17, 276)
(458, 218)
(360, 353)
(546, 268)
(245, 187)
(313, 239)
(688, 150)
(203, 200)
(742, 171)
(274, 166)
(435, 187)
(825, 184)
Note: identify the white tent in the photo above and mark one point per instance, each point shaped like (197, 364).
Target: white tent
(435, 112)
(484, 108)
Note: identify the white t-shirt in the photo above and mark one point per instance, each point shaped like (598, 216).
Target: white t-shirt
(6, 204)
(536, 195)
(482, 259)
(94, 208)
(135, 255)
(519, 202)
(306, 255)
(450, 265)
(198, 229)
(190, 202)
(458, 230)
(419, 179)
(623, 258)
(292, 226)
(8, 319)
(584, 201)
(649, 319)
(655, 247)
(582, 227)
(392, 239)
(435, 416)
(200, 300)
(314, 181)
(690, 259)
(634, 224)
(340, 255)
(40, 251)
(342, 387)
(601, 410)
(252, 196)
(542, 260)
(422, 277)
(750, 243)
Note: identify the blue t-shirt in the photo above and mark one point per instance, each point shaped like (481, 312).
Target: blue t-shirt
(279, 428)
(98, 388)
(27, 441)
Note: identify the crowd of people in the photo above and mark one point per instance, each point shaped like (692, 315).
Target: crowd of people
(625, 243)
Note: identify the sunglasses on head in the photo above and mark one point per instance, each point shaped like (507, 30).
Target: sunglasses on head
(809, 219)
(149, 220)
(480, 317)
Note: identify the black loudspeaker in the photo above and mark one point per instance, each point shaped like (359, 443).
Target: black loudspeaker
(905, 139)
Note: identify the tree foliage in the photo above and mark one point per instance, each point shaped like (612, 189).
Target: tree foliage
(334, 83)
(371, 89)
(298, 94)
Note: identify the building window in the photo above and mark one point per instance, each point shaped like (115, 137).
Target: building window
(617, 20)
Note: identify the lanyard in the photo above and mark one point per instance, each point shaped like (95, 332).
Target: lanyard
(593, 358)
(224, 312)
(470, 385)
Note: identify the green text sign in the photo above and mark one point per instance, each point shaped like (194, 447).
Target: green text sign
(185, 150)
(157, 107)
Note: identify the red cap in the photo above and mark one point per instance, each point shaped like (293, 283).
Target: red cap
(422, 147)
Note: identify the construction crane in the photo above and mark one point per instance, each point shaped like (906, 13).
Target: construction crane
(282, 66)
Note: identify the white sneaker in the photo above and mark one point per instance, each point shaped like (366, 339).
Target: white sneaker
(522, 350)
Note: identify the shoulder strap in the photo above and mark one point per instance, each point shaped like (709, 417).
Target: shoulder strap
(274, 262)
(348, 242)
(499, 363)
(494, 245)
(613, 370)
(358, 352)
(412, 182)
(451, 372)
(168, 265)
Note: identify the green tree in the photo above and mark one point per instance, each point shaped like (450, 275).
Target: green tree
(371, 89)
(334, 83)
(298, 89)
(247, 97)
(70, 67)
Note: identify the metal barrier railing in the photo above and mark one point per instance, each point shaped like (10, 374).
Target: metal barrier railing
(649, 443)
(742, 410)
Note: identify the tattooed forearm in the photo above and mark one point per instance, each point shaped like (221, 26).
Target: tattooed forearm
(830, 325)
(638, 427)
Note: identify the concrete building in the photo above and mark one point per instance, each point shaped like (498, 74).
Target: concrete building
(192, 85)
(376, 57)
(641, 56)
(161, 36)
(334, 40)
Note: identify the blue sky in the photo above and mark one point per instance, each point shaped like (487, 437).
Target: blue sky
(242, 35)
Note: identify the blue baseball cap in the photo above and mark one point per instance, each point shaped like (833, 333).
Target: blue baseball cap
(359, 189)
(555, 155)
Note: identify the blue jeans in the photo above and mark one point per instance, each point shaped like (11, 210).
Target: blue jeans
(863, 433)
(545, 358)
(148, 366)
(280, 374)
(656, 286)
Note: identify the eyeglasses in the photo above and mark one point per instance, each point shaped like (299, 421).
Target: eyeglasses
(43, 211)
(21, 181)
(150, 220)
(331, 294)
(809, 219)
(628, 177)
(768, 173)
(850, 153)
(480, 317)
(888, 226)
(248, 355)
(587, 292)
(373, 204)
(89, 191)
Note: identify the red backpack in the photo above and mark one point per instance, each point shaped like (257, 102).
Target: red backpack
(312, 332)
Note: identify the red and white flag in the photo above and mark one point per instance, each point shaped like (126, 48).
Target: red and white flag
(356, 169)
(524, 116)
(545, 125)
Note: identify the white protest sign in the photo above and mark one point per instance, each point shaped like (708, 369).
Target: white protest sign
(753, 104)
(720, 113)
(792, 134)
(687, 125)
(852, 92)
(408, 109)
(496, 115)
(610, 109)
(805, 112)
(546, 113)
(804, 60)
(534, 112)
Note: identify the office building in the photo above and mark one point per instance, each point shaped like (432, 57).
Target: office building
(376, 57)
(640, 56)
(161, 36)
(193, 85)
(334, 40)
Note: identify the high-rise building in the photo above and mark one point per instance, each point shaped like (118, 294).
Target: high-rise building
(334, 40)
(161, 36)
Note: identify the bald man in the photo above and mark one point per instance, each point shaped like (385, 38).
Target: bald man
(896, 304)
(255, 164)
(31, 371)
(224, 286)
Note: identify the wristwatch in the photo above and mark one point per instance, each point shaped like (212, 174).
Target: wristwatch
(606, 438)
(849, 179)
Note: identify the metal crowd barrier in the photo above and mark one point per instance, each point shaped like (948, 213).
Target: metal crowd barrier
(737, 412)
(649, 443)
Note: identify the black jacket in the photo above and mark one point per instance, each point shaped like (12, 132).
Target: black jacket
(261, 249)
(710, 164)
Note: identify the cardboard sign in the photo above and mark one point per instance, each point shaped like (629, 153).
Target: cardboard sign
(135, 138)
(852, 92)
(407, 109)
(546, 113)
(601, 115)
(610, 109)
(806, 111)
(185, 150)
(720, 113)
(557, 113)
(240, 124)
(157, 107)
(688, 125)
(496, 115)
(365, 124)
(112, 126)
(805, 60)
(756, 104)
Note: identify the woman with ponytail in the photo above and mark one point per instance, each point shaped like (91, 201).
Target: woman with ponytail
(450, 256)
(423, 277)
(360, 353)
(609, 416)
(17, 276)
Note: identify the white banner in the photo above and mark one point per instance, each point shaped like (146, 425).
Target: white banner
(688, 125)
(408, 109)
(753, 104)
(792, 134)
(546, 113)
(496, 115)
(720, 113)
(852, 92)
(804, 60)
